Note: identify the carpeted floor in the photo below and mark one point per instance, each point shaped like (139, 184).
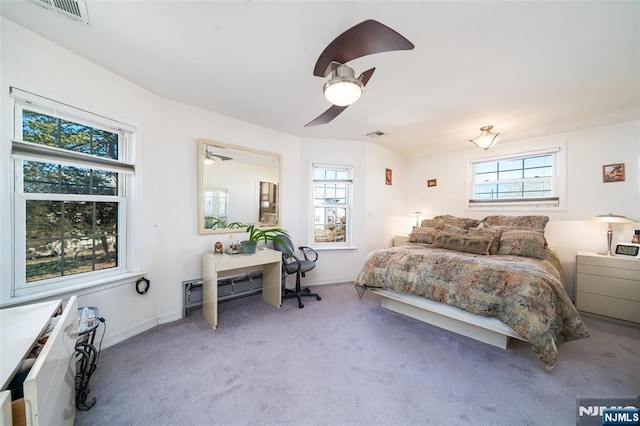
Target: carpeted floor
(345, 361)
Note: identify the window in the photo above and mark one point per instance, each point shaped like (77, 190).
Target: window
(526, 179)
(70, 195)
(332, 187)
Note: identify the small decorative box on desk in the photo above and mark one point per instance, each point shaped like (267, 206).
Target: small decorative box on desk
(608, 285)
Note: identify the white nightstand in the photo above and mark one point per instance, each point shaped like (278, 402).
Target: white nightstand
(399, 240)
(608, 285)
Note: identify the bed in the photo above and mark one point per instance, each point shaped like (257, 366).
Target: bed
(490, 279)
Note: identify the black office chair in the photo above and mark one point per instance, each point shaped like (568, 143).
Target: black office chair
(291, 264)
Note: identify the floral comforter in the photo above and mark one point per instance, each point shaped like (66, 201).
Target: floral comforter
(525, 293)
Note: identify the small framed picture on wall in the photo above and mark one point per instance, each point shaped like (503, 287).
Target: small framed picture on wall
(613, 173)
(388, 176)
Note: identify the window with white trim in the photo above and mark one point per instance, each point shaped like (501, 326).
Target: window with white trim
(524, 179)
(332, 194)
(71, 189)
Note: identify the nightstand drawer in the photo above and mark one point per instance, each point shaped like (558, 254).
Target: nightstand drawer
(609, 286)
(584, 258)
(627, 274)
(609, 306)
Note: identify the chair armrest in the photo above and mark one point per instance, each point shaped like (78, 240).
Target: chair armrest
(288, 258)
(307, 251)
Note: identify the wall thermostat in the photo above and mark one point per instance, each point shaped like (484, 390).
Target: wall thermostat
(628, 249)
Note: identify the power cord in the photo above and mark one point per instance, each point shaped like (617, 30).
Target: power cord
(104, 330)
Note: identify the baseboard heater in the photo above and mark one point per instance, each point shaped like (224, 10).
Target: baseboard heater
(229, 288)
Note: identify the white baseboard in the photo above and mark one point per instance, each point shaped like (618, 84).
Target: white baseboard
(130, 332)
(170, 318)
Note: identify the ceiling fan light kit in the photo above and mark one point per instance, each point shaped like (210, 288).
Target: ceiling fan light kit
(486, 139)
(343, 88)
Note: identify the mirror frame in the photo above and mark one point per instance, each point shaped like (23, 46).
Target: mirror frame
(201, 187)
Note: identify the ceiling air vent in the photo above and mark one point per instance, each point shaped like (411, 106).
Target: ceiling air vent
(376, 134)
(75, 9)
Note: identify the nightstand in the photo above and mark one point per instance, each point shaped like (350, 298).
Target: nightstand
(400, 240)
(608, 285)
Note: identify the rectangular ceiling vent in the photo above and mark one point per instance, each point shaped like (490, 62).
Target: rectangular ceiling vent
(75, 9)
(376, 134)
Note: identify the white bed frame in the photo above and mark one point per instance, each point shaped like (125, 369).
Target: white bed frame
(485, 329)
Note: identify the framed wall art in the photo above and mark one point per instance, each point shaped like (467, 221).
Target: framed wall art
(388, 176)
(613, 173)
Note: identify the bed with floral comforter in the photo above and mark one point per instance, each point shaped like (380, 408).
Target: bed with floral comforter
(525, 293)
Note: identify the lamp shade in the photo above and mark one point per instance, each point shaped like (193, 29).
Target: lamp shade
(343, 88)
(486, 139)
(612, 218)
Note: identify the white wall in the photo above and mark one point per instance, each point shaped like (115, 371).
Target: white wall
(172, 219)
(167, 133)
(587, 196)
(375, 205)
(169, 245)
(32, 63)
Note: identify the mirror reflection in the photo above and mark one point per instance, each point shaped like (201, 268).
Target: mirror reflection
(236, 187)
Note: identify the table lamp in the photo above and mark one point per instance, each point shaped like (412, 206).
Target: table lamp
(609, 219)
(417, 215)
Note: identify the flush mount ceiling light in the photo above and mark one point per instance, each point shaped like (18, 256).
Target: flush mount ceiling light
(343, 88)
(486, 139)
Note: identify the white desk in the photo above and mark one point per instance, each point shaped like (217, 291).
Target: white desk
(49, 388)
(20, 327)
(269, 260)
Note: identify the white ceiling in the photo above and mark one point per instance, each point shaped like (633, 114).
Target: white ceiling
(528, 68)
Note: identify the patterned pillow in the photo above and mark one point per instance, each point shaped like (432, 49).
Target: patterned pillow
(460, 222)
(519, 222)
(522, 242)
(453, 241)
(454, 229)
(432, 223)
(422, 235)
(494, 233)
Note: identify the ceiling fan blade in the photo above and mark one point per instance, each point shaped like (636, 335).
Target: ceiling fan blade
(365, 76)
(326, 116)
(365, 38)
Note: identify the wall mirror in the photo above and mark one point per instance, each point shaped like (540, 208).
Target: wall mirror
(236, 186)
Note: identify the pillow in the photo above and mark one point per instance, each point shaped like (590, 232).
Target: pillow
(460, 222)
(494, 233)
(452, 241)
(519, 222)
(422, 235)
(454, 229)
(522, 242)
(432, 223)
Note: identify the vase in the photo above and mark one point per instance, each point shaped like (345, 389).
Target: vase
(249, 246)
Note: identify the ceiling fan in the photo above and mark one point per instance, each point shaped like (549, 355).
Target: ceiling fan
(343, 89)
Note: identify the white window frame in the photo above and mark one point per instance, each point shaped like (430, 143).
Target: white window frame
(21, 150)
(347, 244)
(555, 202)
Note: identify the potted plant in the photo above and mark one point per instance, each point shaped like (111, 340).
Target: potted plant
(257, 234)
